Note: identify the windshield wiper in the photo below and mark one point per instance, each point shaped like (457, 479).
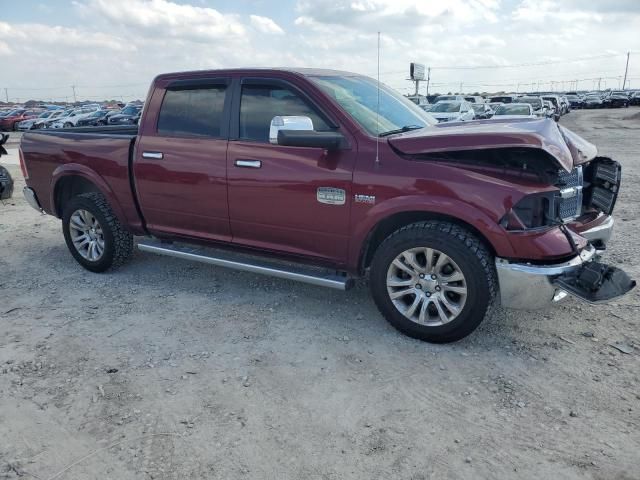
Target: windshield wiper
(406, 128)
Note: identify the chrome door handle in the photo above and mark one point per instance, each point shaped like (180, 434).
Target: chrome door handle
(248, 163)
(154, 155)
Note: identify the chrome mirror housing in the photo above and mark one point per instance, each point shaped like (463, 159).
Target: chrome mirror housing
(288, 123)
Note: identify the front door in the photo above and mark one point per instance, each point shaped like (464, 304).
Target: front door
(291, 199)
(180, 165)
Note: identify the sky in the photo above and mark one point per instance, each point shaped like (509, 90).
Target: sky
(114, 48)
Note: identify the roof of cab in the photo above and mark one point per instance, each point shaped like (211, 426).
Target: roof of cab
(306, 72)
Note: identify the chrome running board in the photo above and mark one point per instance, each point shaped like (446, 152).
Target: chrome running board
(250, 263)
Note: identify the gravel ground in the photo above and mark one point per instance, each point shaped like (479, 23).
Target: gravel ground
(172, 370)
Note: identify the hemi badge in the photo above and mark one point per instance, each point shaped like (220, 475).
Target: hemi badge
(368, 199)
(331, 196)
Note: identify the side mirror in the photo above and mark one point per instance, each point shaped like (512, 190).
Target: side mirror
(288, 123)
(294, 131)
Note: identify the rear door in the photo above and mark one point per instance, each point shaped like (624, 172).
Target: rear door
(180, 161)
(292, 199)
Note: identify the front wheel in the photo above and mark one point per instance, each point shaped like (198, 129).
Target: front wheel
(94, 236)
(434, 281)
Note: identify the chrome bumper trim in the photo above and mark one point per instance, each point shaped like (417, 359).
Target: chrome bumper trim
(31, 198)
(601, 233)
(528, 287)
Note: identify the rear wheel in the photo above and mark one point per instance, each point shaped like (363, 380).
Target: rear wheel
(68, 125)
(93, 234)
(434, 281)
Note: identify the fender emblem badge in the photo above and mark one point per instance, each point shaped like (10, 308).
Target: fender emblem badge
(368, 199)
(331, 195)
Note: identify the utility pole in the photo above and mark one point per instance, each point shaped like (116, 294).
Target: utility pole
(626, 69)
(428, 79)
(73, 87)
(6, 94)
(460, 88)
(599, 80)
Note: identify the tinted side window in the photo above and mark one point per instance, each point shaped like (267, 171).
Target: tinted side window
(259, 104)
(194, 112)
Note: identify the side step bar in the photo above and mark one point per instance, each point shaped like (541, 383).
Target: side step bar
(249, 263)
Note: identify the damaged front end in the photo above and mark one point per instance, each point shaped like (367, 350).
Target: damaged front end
(555, 229)
(581, 207)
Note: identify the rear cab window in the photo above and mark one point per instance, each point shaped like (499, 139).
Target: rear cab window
(192, 112)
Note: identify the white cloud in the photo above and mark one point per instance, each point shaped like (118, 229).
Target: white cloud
(265, 25)
(128, 42)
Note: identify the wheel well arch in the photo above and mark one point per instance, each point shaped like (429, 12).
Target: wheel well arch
(68, 187)
(390, 224)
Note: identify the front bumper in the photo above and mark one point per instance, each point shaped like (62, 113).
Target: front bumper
(529, 287)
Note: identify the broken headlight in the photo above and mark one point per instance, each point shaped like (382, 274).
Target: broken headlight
(533, 211)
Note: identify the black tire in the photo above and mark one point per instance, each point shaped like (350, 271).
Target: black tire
(466, 250)
(6, 184)
(118, 243)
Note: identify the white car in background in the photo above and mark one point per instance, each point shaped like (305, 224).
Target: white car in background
(72, 119)
(452, 111)
(514, 111)
(539, 108)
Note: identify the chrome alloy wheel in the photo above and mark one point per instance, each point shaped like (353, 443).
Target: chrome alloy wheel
(86, 235)
(426, 286)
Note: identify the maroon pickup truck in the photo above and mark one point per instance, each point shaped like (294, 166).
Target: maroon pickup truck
(324, 176)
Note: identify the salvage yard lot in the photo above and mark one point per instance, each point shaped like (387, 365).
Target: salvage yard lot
(167, 369)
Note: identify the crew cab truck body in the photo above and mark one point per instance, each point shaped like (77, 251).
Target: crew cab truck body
(278, 169)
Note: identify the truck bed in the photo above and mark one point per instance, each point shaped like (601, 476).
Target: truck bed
(102, 155)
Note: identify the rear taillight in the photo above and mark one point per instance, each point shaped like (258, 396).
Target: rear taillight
(23, 165)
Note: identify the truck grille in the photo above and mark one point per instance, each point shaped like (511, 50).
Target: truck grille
(570, 184)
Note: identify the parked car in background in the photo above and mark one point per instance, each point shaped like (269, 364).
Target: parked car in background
(494, 105)
(617, 100)
(72, 119)
(502, 99)
(11, 120)
(550, 111)
(593, 101)
(55, 116)
(514, 111)
(635, 98)
(575, 101)
(441, 230)
(539, 108)
(482, 111)
(452, 111)
(565, 106)
(557, 105)
(474, 99)
(30, 124)
(129, 115)
(419, 100)
(95, 119)
(457, 98)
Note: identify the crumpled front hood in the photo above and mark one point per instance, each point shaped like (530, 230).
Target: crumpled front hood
(568, 148)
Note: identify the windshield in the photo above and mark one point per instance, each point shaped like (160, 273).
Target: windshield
(477, 107)
(448, 107)
(513, 110)
(358, 96)
(533, 101)
(44, 115)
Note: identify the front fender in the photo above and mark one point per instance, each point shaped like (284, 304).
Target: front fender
(438, 206)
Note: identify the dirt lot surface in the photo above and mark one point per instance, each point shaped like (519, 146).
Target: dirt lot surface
(172, 370)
